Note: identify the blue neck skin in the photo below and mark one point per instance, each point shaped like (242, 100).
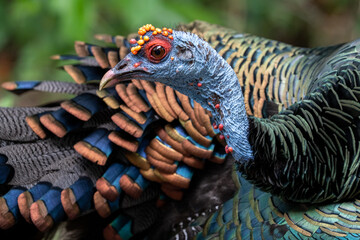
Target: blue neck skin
(220, 85)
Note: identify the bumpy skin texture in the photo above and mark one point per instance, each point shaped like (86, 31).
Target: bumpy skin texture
(307, 153)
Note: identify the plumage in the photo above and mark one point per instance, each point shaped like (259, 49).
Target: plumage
(288, 116)
(305, 153)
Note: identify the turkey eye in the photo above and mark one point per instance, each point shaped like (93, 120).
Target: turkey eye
(158, 52)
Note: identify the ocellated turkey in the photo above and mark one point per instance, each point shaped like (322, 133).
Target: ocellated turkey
(298, 166)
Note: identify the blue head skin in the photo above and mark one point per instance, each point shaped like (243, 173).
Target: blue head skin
(192, 67)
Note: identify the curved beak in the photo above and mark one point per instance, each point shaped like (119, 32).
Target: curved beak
(109, 79)
(123, 71)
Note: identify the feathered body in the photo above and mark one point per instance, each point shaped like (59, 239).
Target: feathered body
(289, 116)
(308, 152)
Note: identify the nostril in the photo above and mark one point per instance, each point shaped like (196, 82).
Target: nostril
(121, 66)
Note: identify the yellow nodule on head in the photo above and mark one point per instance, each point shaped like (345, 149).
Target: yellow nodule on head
(143, 38)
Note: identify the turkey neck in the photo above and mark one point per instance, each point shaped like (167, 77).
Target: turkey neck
(219, 91)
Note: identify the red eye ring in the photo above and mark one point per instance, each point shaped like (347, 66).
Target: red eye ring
(157, 49)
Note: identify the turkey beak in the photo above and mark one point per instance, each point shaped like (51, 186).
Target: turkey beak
(123, 71)
(108, 79)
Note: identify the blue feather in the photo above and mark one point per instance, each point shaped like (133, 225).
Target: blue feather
(99, 139)
(90, 102)
(53, 205)
(26, 85)
(11, 200)
(132, 172)
(68, 121)
(83, 190)
(39, 190)
(113, 171)
(184, 171)
(5, 171)
(142, 182)
(122, 225)
(90, 72)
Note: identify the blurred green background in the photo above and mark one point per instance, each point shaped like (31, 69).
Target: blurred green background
(33, 30)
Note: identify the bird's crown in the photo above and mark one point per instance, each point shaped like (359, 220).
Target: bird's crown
(145, 33)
